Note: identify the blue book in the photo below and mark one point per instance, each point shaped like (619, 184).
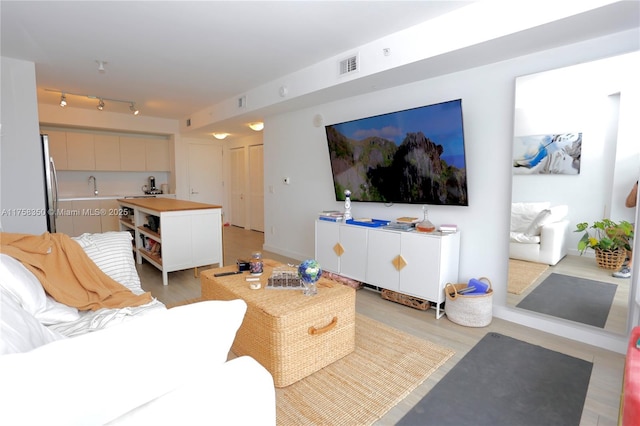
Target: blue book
(330, 218)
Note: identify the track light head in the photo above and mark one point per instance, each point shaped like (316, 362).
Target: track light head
(101, 100)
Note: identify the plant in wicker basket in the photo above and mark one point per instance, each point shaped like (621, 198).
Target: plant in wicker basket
(609, 240)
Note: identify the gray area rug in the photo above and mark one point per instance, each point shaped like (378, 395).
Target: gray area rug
(505, 381)
(572, 298)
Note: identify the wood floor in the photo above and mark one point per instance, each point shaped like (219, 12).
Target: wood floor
(603, 397)
(586, 267)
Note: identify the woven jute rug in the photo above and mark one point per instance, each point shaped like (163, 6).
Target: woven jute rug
(360, 388)
(522, 274)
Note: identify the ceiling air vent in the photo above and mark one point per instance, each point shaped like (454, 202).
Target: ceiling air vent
(349, 65)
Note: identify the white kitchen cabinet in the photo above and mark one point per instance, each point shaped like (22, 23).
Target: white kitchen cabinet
(144, 154)
(157, 155)
(80, 151)
(412, 263)
(189, 235)
(342, 249)
(86, 217)
(64, 218)
(107, 152)
(109, 215)
(58, 148)
(133, 154)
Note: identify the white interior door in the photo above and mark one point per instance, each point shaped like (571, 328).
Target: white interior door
(238, 190)
(256, 188)
(205, 174)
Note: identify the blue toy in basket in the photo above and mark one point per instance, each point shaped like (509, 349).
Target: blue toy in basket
(480, 287)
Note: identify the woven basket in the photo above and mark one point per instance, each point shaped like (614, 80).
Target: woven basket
(469, 310)
(406, 300)
(610, 259)
(290, 334)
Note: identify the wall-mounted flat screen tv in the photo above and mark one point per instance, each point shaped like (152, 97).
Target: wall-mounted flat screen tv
(414, 156)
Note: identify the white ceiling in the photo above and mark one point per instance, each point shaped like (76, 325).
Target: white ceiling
(174, 58)
(177, 58)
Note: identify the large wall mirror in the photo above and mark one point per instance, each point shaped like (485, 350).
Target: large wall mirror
(576, 157)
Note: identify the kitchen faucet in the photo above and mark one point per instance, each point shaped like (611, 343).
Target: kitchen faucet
(95, 185)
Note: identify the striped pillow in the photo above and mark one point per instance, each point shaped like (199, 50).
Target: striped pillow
(113, 253)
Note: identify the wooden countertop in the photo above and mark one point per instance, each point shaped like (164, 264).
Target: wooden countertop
(166, 204)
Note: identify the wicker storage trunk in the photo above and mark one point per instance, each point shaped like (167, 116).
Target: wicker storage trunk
(290, 334)
(471, 310)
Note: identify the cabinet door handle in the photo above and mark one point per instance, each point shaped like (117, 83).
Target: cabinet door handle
(194, 192)
(399, 263)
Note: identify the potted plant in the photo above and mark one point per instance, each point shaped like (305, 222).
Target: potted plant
(609, 240)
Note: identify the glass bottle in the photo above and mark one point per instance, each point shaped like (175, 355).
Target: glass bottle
(255, 264)
(425, 225)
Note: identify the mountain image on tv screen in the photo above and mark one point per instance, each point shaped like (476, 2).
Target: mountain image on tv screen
(413, 156)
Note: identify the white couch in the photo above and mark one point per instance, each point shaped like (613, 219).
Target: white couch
(538, 232)
(144, 365)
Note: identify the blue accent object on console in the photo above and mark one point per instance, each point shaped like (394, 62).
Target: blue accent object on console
(375, 223)
(481, 287)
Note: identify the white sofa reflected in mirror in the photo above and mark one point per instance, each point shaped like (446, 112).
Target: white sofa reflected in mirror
(538, 232)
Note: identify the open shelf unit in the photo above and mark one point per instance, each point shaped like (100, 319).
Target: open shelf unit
(189, 234)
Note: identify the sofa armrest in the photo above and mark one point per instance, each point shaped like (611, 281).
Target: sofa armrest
(97, 377)
(553, 241)
(240, 392)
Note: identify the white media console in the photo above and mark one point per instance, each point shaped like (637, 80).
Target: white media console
(412, 263)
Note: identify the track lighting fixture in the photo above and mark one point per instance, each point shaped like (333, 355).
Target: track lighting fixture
(257, 126)
(101, 99)
(220, 135)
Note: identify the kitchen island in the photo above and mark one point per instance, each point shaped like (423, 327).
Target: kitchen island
(172, 234)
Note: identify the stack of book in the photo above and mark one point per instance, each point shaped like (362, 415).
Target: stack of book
(404, 223)
(331, 215)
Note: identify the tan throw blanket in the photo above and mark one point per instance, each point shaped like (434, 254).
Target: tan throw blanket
(67, 273)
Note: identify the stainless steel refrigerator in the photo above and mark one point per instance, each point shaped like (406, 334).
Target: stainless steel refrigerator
(51, 184)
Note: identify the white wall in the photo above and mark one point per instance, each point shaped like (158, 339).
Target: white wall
(21, 175)
(294, 147)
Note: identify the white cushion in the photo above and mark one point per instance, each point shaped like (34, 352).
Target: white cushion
(521, 237)
(522, 214)
(26, 289)
(22, 284)
(20, 330)
(98, 377)
(536, 224)
(56, 312)
(113, 253)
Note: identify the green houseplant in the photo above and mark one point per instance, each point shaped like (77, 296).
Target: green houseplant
(610, 240)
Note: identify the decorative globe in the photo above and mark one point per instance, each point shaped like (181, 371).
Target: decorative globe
(309, 272)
